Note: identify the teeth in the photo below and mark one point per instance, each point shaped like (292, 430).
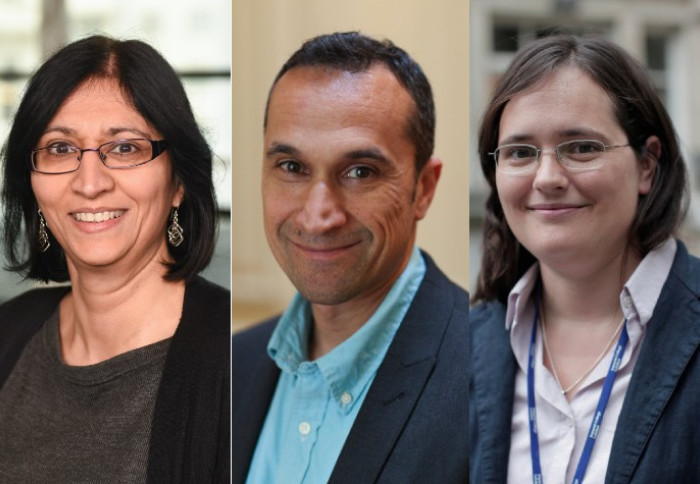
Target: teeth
(97, 217)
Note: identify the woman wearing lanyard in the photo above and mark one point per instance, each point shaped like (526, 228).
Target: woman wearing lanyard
(586, 333)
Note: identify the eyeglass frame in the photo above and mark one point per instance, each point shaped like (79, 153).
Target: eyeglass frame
(555, 149)
(157, 149)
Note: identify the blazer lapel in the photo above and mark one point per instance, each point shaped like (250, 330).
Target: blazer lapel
(398, 384)
(672, 338)
(491, 398)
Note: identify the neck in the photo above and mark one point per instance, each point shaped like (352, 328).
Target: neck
(108, 314)
(334, 324)
(583, 318)
(586, 299)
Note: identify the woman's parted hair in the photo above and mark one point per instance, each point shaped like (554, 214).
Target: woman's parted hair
(155, 91)
(639, 111)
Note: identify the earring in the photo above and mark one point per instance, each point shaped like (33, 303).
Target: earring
(175, 232)
(44, 243)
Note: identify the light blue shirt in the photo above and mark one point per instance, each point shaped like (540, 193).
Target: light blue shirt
(316, 402)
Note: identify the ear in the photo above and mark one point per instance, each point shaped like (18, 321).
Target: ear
(648, 164)
(425, 187)
(179, 194)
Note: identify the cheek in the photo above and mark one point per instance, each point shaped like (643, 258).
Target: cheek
(278, 206)
(510, 190)
(391, 213)
(40, 189)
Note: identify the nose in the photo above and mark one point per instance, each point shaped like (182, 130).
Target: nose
(92, 178)
(550, 175)
(323, 209)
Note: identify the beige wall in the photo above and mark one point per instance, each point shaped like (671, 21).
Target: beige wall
(265, 34)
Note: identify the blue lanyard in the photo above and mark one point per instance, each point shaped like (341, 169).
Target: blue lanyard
(597, 417)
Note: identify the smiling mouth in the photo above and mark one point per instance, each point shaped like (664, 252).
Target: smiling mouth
(98, 216)
(325, 250)
(553, 208)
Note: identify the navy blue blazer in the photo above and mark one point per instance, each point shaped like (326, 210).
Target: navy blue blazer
(412, 427)
(657, 439)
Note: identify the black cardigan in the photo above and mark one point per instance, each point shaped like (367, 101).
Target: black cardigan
(190, 435)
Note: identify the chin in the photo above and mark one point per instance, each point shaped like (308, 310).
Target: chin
(554, 249)
(96, 256)
(319, 290)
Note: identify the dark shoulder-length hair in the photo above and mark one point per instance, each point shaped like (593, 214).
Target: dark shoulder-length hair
(155, 91)
(639, 111)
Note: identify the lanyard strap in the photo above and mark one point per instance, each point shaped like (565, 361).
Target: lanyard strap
(597, 417)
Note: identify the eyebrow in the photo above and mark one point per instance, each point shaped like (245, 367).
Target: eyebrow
(360, 154)
(110, 132)
(282, 148)
(565, 133)
(368, 154)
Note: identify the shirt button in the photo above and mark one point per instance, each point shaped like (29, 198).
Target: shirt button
(570, 422)
(304, 428)
(345, 398)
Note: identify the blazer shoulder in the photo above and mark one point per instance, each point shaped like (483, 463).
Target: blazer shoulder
(486, 313)
(685, 270)
(250, 345)
(435, 277)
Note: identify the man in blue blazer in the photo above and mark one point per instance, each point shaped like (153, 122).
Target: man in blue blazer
(364, 377)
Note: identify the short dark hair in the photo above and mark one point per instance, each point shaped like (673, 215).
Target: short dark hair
(354, 52)
(155, 91)
(639, 111)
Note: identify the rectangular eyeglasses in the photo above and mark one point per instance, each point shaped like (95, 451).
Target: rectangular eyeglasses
(62, 157)
(575, 155)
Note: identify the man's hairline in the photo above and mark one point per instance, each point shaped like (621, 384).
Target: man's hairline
(411, 114)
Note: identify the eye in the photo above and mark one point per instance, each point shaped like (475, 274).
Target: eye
(522, 152)
(290, 166)
(124, 148)
(359, 172)
(517, 153)
(582, 150)
(61, 148)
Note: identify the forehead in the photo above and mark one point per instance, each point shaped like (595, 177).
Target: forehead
(566, 102)
(329, 101)
(96, 103)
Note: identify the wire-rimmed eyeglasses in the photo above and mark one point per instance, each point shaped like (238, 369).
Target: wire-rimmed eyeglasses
(575, 155)
(62, 157)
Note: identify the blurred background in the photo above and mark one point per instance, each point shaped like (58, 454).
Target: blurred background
(265, 33)
(663, 34)
(195, 37)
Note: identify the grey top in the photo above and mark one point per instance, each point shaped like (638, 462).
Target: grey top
(78, 424)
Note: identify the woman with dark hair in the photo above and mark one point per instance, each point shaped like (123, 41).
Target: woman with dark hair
(123, 376)
(586, 330)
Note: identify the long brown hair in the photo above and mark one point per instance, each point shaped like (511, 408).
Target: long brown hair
(639, 111)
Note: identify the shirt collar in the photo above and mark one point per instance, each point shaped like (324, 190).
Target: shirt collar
(520, 294)
(643, 288)
(351, 365)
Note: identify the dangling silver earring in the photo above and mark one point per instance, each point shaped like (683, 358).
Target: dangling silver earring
(175, 232)
(44, 243)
